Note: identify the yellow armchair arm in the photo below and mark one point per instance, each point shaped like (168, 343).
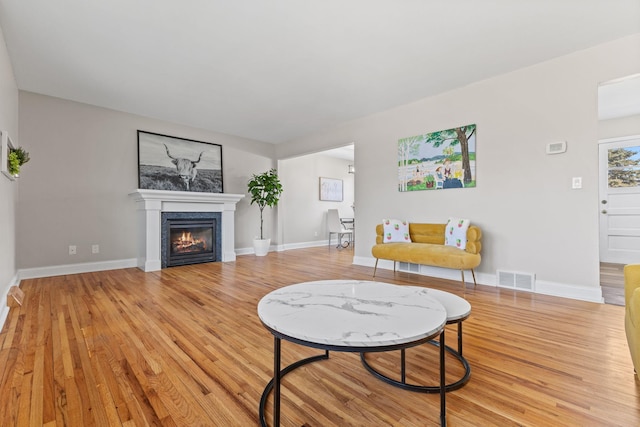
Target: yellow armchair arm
(633, 308)
(632, 311)
(631, 281)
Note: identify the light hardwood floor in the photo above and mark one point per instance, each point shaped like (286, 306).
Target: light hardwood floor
(184, 347)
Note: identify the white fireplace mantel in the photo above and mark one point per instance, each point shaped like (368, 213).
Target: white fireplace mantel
(151, 204)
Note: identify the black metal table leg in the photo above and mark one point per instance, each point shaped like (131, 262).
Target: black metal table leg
(276, 382)
(403, 368)
(443, 405)
(402, 382)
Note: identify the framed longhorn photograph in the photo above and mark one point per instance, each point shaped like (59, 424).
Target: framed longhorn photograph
(178, 164)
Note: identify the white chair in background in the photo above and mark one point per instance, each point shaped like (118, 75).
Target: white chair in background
(335, 227)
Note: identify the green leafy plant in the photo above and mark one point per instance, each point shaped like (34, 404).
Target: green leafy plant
(265, 190)
(429, 181)
(17, 157)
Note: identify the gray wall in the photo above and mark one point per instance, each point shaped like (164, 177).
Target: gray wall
(8, 189)
(533, 221)
(84, 164)
(74, 191)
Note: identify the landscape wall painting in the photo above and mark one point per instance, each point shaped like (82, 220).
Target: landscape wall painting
(438, 160)
(177, 164)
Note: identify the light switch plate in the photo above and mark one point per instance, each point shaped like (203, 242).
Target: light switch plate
(576, 182)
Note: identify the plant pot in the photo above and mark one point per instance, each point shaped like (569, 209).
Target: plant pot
(261, 246)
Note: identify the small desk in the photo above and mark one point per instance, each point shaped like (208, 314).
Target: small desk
(350, 316)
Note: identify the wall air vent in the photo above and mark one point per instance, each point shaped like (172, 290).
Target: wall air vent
(516, 280)
(556, 147)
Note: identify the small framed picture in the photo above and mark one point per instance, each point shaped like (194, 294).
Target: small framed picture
(7, 145)
(331, 189)
(178, 164)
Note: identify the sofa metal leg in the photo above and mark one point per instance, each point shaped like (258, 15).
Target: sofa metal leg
(394, 267)
(463, 284)
(474, 278)
(375, 268)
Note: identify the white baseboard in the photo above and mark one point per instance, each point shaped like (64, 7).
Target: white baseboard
(368, 261)
(4, 311)
(302, 245)
(245, 251)
(284, 247)
(564, 290)
(583, 293)
(88, 267)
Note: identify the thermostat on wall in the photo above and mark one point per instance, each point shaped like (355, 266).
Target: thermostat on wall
(556, 147)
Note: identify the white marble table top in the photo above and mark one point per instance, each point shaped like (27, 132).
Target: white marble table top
(353, 313)
(457, 307)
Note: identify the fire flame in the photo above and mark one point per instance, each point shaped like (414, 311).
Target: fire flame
(186, 241)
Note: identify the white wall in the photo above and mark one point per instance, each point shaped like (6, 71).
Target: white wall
(302, 213)
(74, 191)
(8, 189)
(614, 128)
(532, 220)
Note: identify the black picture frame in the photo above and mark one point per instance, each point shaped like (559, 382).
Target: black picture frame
(178, 164)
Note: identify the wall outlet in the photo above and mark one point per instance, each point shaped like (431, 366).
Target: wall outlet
(72, 249)
(95, 249)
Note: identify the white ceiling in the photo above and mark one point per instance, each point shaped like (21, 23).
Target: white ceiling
(344, 153)
(277, 70)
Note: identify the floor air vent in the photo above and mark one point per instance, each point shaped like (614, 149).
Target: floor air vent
(515, 280)
(408, 267)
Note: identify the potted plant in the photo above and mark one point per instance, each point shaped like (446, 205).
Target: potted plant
(17, 157)
(265, 190)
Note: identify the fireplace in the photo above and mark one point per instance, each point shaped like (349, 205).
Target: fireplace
(152, 204)
(190, 238)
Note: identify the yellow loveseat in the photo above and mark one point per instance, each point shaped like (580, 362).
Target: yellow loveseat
(427, 248)
(632, 311)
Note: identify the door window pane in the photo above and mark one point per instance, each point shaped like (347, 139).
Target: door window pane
(624, 167)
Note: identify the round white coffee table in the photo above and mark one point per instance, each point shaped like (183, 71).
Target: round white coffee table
(349, 316)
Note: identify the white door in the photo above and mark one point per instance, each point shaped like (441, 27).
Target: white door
(620, 200)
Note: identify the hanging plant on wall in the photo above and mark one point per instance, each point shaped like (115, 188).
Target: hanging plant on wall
(17, 157)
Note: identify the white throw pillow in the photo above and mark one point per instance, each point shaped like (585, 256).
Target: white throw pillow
(455, 233)
(395, 230)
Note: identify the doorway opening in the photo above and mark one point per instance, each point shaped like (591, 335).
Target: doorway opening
(618, 182)
(316, 182)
